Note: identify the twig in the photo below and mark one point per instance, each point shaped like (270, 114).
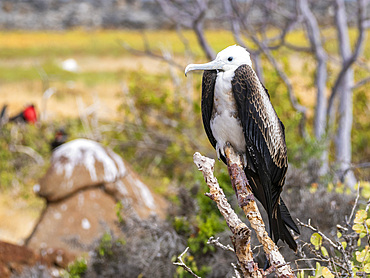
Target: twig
(215, 242)
(28, 151)
(348, 221)
(338, 246)
(236, 270)
(361, 82)
(355, 166)
(309, 226)
(150, 53)
(368, 205)
(183, 265)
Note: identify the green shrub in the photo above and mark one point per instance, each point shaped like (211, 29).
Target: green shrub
(76, 269)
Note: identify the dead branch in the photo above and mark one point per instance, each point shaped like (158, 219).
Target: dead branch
(149, 53)
(248, 204)
(241, 233)
(215, 241)
(349, 219)
(189, 14)
(336, 245)
(183, 265)
(236, 270)
(28, 151)
(361, 83)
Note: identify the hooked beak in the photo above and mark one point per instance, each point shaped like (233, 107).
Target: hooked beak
(213, 65)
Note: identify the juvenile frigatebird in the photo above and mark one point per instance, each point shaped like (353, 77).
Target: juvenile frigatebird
(236, 108)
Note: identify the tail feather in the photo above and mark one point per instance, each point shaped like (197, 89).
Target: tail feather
(272, 203)
(285, 216)
(279, 226)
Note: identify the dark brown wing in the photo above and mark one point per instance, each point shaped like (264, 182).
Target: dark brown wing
(262, 128)
(266, 149)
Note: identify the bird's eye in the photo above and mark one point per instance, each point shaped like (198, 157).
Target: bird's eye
(230, 59)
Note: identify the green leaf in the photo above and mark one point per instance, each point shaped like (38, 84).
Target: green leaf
(367, 268)
(360, 217)
(300, 274)
(318, 271)
(358, 228)
(339, 234)
(316, 240)
(344, 244)
(324, 251)
(363, 256)
(368, 223)
(327, 273)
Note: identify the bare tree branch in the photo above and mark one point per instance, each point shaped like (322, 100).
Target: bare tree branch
(313, 34)
(336, 245)
(190, 14)
(28, 151)
(241, 233)
(199, 31)
(216, 242)
(148, 52)
(248, 204)
(349, 219)
(183, 265)
(347, 62)
(361, 83)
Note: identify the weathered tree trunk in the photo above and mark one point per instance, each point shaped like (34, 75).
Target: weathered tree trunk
(343, 133)
(314, 36)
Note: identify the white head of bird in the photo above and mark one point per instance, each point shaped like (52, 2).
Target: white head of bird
(228, 59)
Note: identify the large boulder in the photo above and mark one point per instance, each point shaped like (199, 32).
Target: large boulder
(82, 187)
(78, 164)
(75, 223)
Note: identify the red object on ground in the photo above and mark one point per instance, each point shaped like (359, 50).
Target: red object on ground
(29, 114)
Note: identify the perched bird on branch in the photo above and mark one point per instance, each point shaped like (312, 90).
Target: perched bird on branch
(236, 108)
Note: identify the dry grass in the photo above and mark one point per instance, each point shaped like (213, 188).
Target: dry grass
(64, 102)
(17, 217)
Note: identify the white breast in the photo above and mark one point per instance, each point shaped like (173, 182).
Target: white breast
(225, 122)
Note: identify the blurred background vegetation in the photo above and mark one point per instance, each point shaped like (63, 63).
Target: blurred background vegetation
(119, 81)
(148, 112)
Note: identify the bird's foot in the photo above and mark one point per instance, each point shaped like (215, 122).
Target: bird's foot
(220, 151)
(267, 264)
(245, 163)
